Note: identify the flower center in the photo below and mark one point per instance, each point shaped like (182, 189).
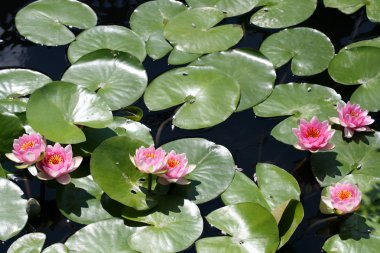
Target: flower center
(150, 155)
(344, 194)
(172, 163)
(354, 113)
(313, 132)
(26, 145)
(55, 159)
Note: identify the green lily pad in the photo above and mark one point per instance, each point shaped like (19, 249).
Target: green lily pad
(55, 109)
(56, 248)
(157, 46)
(251, 228)
(310, 50)
(363, 43)
(193, 31)
(283, 13)
(11, 128)
(111, 37)
(173, 226)
(177, 57)
(298, 101)
(351, 6)
(80, 201)
(291, 217)
(114, 172)
(13, 216)
(208, 96)
(123, 126)
(3, 173)
(337, 244)
(231, 8)
(254, 73)
(29, 243)
(358, 155)
(117, 77)
(44, 22)
(214, 169)
(14, 105)
(103, 236)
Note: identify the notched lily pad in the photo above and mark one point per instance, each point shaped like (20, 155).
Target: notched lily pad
(231, 8)
(351, 6)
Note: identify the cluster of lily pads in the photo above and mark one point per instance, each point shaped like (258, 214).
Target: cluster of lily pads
(148, 196)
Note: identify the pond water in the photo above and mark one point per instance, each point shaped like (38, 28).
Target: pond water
(245, 135)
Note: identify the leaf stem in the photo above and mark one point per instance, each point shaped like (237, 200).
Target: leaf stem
(150, 179)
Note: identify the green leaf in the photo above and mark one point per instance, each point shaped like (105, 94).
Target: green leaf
(173, 226)
(55, 109)
(138, 131)
(117, 77)
(94, 137)
(11, 128)
(114, 172)
(254, 73)
(214, 169)
(157, 46)
(14, 105)
(231, 8)
(363, 43)
(44, 22)
(298, 101)
(80, 201)
(252, 229)
(177, 57)
(290, 219)
(351, 6)
(193, 31)
(103, 236)
(56, 248)
(29, 243)
(310, 50)
(113, 37)
(208, 96)
(13, 216)
(337, 244)
(283, 13)
(3, 173)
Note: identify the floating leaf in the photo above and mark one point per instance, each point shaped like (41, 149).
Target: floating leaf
(283, 13)
(12, 105)
(157, 46)
(214, 169)
(298, 101)
(363, 43)
(351, 6)
(32, 243)
(231, 8)
(254, 73)
(123, 126)
(193, 31)
(56, 248)
(291, 217)
(44, 22)
(208, 96)
(310, 50)
(180, 57)
(11, 128)
(118, 77)
(55, 109)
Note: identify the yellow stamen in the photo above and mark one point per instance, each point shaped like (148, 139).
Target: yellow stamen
(55, 159)
(354, 113)
(313, 132)
(172, 163)
(150, 155)
(26, 145)
(344, 194)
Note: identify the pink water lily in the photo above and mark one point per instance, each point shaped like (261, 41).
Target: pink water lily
(58, 163)
(149, 160)
(28, 149)
(352, 118)
(314, 135)
(177, 168)
(344, 198)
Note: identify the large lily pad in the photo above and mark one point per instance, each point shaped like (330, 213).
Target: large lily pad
(117, 77)
(103, 236)
(208, 96)
(13, 216)
(310, 50)
(11, 128)
(251, 228)
(231, 8)
(283, 13)
(29, 243)
(193, 31)
(55, 109)
(112, 37)
(214, 169)
(298, 101)
(44, 22)
(363, 43)
(254, 73)
(351, 6)
(80, 201)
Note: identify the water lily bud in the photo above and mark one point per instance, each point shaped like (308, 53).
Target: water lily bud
(343, 198)
(149, 160)
(313, 136)
(176, 169)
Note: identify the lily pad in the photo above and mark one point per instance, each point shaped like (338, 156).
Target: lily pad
(123, 126)
(13, 216)
(14, 105)
(251, 228)
(283, 13)
(44, 22)
(254, 73)
(298, 101)
(111, 37)
(177, 57)
(363, 43)
(193, 31)
(56, 248)
(231, 8)
(351, 6)
(103, 236)
(214, 169)
(173, 226)
(11, 128)
(29, 243)
(157, 46)
(310, 50)
(208, 96)
(55, 109)
(114, 172)
(117, 77)
(291, 217)
(80, 201)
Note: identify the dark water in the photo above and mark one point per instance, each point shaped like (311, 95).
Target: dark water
(245, 135)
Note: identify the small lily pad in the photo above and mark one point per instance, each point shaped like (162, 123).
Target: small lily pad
(32, 243)
(157, 46)
(11, 128)
(231, 8)
(351, 6)
(177, 57)
(44, 22)
(123, 126)
(56, 248)
(310, 50)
